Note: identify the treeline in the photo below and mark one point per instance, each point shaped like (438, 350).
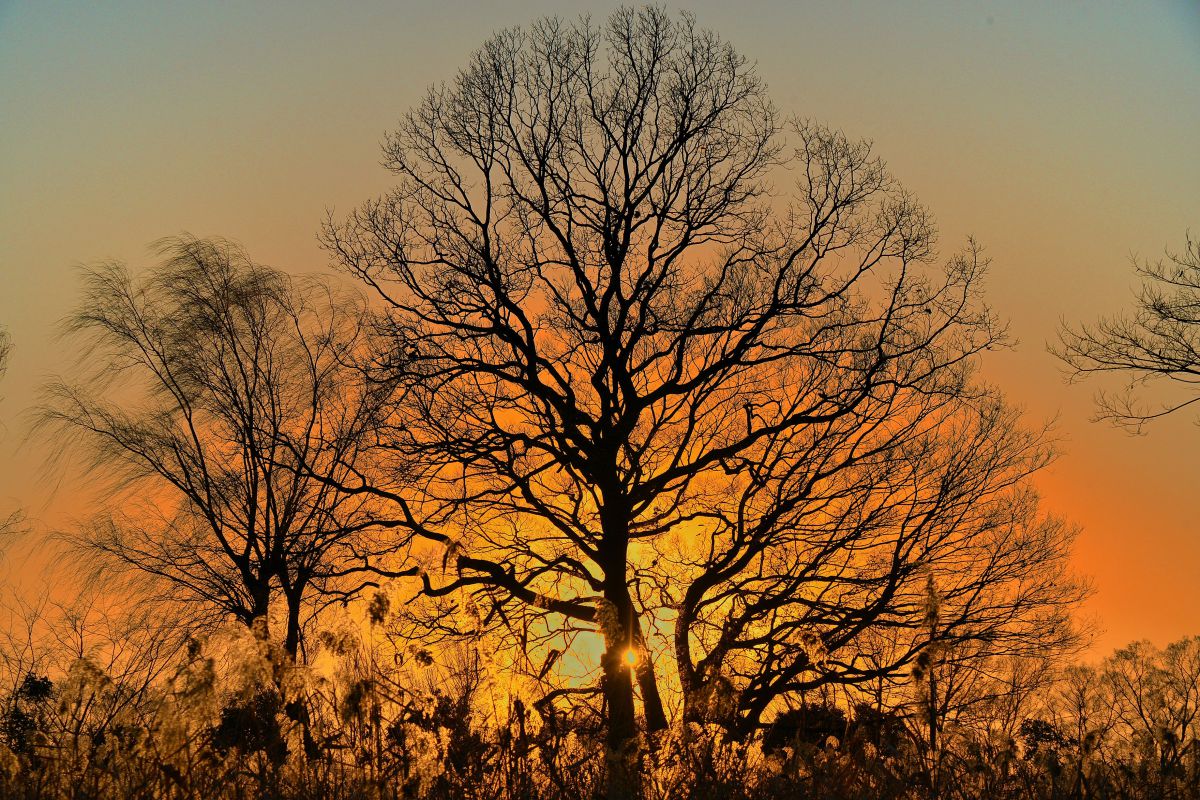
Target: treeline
(646, 455)
(216, 726)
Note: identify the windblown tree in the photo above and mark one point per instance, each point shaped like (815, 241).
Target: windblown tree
(1157, 343)
(636, 376)
(203, 385)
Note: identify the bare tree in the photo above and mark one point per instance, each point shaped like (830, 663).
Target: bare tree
(617, 344)
(202, 387)
(1159, 341)
(1156, 698)
(1128, 726)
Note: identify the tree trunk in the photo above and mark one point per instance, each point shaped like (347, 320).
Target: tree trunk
(621, 750)
(260, 611)
(652, 705)
(291, 642)
(295, 705)
(617, 624)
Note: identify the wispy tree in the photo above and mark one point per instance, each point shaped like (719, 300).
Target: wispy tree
(202, 387)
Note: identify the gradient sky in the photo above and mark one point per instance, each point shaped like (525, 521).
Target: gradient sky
(1065, 136)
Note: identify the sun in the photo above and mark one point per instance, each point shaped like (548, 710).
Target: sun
(630, 657)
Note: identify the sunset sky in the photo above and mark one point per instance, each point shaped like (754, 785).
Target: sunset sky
(1064, 136)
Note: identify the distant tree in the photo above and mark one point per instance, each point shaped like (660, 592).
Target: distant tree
(638, 381)
(1083, 710)
(202, 387)
(1158, 341)
(1127, 727)
(1156, 697)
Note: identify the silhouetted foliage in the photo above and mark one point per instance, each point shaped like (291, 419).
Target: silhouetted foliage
(26, 713)
(883, 729)
(392, 721)
(812, 725)
(251, 725)
(179, 743)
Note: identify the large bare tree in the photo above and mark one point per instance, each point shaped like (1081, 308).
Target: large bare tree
(203, 386)
(634, 312)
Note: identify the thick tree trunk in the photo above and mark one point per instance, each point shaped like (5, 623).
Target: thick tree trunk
(694, 687)
(621, 751)
(626, 660)
(622, 744)
(295, 705)
(617, 624)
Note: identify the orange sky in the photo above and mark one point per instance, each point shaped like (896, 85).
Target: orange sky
(1063, 136)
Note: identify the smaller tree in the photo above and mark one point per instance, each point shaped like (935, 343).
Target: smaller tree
(204, 386)
(1156, 698)
(1159, 341)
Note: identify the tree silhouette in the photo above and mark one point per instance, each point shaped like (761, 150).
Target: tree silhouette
(5, 347)
(1158, 341)
(203, 386)
(617, 345)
